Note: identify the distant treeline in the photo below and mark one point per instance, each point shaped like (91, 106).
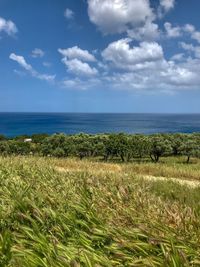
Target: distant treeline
(108, 146)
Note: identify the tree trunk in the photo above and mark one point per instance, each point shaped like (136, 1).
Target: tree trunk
(122, 158)
(154, 158)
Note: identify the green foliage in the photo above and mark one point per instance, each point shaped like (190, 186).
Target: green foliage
(21, 137)
(117, 145)
(19, 148)
(139, 146)
(159, 146)
(39, 138)
(2, 137)
(125, 147)
(4, 148)
(177, 141)
(57, 145)
(190, 148)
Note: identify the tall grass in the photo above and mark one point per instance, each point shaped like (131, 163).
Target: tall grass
(79, 213)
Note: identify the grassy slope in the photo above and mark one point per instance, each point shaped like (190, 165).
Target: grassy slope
(81, 213)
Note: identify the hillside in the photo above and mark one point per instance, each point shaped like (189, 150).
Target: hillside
(68, 212)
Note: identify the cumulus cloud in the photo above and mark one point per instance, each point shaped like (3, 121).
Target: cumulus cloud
(178, 31)
(142, 67)
(115, 16)
(7, 26)
(75, 59)
(165, 6)
(177, 57)
(22, 62)
(76, 52)
(136, 17)
(191, 48)
(166, 77)
(178, 75)
(188, 47)
(78, 67)
(127, 64)
(123, 56)
(69, 14)
(150, 31)
(37, 52)
(172, 32)
(189, 28)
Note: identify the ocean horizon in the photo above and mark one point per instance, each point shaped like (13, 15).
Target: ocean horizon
(28, 123)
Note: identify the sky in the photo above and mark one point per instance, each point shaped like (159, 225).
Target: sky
(140, 56)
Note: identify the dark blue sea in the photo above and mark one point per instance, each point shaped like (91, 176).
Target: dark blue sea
(13, 124)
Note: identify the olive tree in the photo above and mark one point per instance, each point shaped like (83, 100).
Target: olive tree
(158, 146)
(190, 148)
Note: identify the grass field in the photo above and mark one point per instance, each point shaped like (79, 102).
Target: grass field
(67, 212)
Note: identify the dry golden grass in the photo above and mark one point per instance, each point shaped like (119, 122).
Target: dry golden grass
(75, 165)
(168, 167)
(190, 183)
(67, 212)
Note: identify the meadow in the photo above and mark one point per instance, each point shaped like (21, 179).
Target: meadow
(71, 212)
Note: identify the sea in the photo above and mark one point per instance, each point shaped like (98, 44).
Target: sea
(14, 124)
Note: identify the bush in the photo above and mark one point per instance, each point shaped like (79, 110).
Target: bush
(108, 146)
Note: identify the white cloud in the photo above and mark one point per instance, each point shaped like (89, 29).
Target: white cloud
(165, 6)
(178, 31)
(46, 64)
(172, 32)
(189, 28)
(136, 17)
(150, 31)
(74, 59)
(177, 74)
(142, 67)
(22, 62)
(177, 57)
(78, 67)
(193, 32)
(46, 77)
(37, 52)
(80, 84)
(188, 47)
(117, 16)
(69, 14)
(76, 52)
(165, 77)
(7, 26)
(123, 56)
(191, 48)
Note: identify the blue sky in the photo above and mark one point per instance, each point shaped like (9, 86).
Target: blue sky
(100, 56)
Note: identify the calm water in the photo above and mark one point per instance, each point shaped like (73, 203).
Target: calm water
(12, 124)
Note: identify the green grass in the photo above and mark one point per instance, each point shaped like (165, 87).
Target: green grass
(66, 212)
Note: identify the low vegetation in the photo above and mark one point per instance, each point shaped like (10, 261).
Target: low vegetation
(120, 146)
(71, 212)
(100, 200)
